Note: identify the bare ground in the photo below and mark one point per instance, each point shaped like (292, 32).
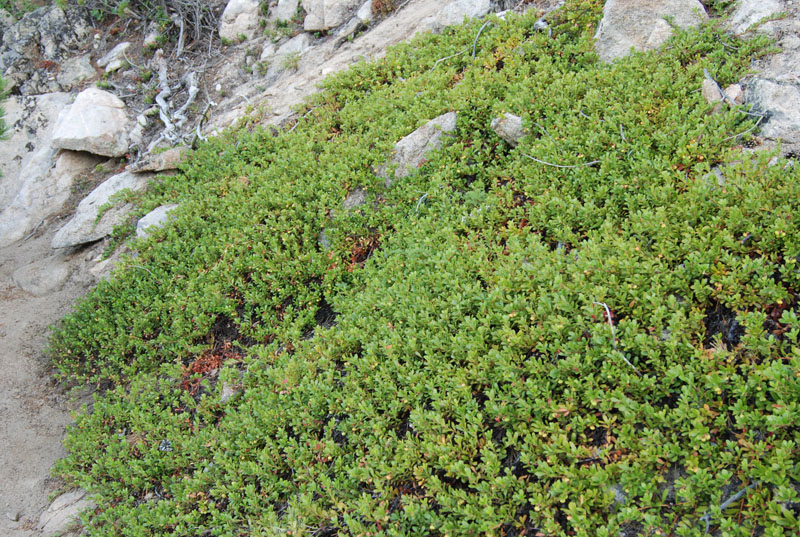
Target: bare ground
(33, 410)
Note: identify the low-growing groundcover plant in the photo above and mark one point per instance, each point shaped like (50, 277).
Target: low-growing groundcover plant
(592, 333)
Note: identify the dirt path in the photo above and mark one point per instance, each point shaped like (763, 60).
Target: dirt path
(33, 412)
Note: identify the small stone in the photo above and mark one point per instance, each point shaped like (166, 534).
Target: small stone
(155, 219)
(364, 13)
(711, 92)
(158, 162)
(230, 392)
(412, 151)
(735, 93)
(355, 199)
(114, 55)
(509, 128)
(13, 516)
(42, 277)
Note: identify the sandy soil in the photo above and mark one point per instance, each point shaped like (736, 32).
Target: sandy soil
(33, 411)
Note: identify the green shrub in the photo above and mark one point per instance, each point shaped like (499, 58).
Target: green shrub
(472, 383)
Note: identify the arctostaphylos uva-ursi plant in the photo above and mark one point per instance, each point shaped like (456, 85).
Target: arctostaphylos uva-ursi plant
(592, 333)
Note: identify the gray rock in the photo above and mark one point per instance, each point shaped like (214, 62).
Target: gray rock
(154, 219)
(509, 128)
(42, 277)
(151, 38)
(364, 13)
(157, 162)
(239, 18)
(44, 192)
(96, 122)
(784, 67)
(749, 12)
(34, 47)
(230, 392)
(640, 24)
(327, 14)
(356, 198)
(410, 152)
(283, 58)
(84, 226)
(6, 21)
(27, 151)
(782, 102)
(711, 92)
(455, 13)
(115, 58)
(75, 70)
(285, 10)
(64, 512)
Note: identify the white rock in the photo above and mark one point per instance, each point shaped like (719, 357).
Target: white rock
(455, 12)
(509, 128)
(64, 512)
(96, 122)
(749, 12)
(782, 102)
(76, 70)
(239, 18)
(154, 220)
(364, 13)
(410, 152)
(285, 10)
(43, 194)
(640, 24)
(326, 14)
(42, 277)
(115, 57)
(84, 227)
(27, 150)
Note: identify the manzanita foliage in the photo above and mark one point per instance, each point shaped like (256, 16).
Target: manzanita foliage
(592, 333)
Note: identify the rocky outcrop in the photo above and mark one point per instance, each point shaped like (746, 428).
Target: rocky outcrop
(641, 24)
(75, 71)
(327, 14)
(240, 18)
(33, 48)
(782, 103)
(509, 128)
(43, 194)
(27, 151)
(63, 513)
(84, 226)
(96, 122)
(285, 10)
(154, 220)
(455, 13)
(748, 12)
(413, 150)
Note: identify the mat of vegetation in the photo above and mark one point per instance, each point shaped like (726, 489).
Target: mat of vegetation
(440, 361)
